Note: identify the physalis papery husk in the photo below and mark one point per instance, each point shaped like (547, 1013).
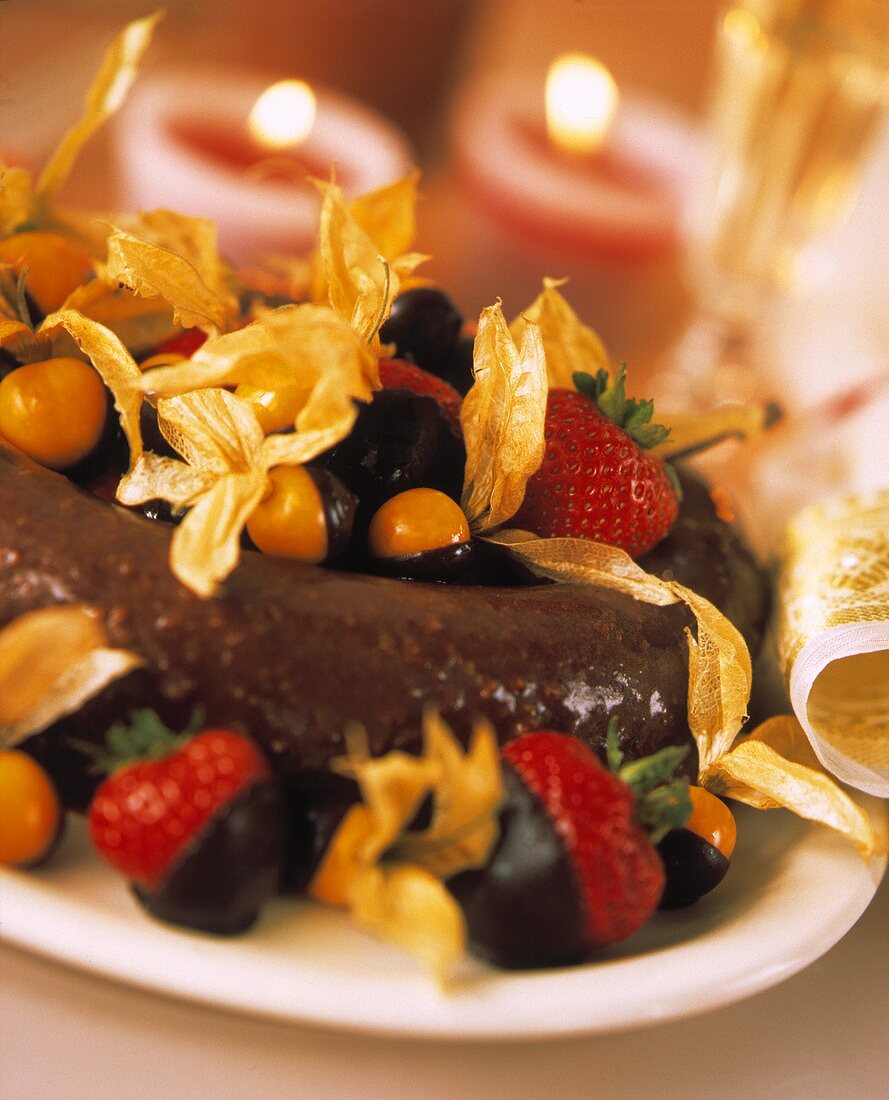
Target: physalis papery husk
(503, 417)
(67, 332)
(24, 205)
(357, 277)
(314, 361)
(775, 767)
(174, 258)
(51, 662)
(570, 345)
(224, 474)
(697, 431)
(389, 876)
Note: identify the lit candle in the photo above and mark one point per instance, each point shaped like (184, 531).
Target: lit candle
(226, 148)
(572, 180)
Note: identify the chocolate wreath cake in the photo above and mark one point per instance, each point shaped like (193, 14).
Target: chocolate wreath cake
(366, 545)
(293, 653)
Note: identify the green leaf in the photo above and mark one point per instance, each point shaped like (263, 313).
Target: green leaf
(664, 808)
(670, 471)
(642, 776)
(628, 413)
(613, 750)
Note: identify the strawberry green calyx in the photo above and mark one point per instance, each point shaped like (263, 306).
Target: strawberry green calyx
(662, 801)
(610, 398)
(143, 737)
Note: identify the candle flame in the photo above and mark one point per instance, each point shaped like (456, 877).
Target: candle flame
(581, 100)
(283, 115)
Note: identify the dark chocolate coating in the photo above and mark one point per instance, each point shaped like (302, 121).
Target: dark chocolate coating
(693, 866)
(317, 801)
(708, 555)
(291, 654)
(524, 908)
(447, 563)
(228, 870)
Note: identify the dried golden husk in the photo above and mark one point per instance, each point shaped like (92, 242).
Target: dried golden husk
(387, 216)
(16, 199)
(391, 878)
(180, 266)
(293, 347)
(569, 345)
(106, 95)
(357, 277)
(689, 430)
(775, 767)
(112, 361)
(503, 418)
(51, 662)
(139, 323)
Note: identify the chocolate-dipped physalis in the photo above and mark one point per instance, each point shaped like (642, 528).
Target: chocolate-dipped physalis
(195, 821)
(421, 534)
(576, 867)
(697, 856)
(307, 515)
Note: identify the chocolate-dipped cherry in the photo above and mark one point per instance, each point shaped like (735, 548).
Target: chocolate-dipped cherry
(424, 325)
(197, 824)
(54, 410)
(421, 534)
(697, 856)
(307, 515)
(575, 868)
(399, 441)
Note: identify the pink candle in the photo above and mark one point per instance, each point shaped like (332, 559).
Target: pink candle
(607, 213)
(185, 143)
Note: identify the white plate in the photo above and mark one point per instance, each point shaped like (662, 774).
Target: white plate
(792, 892)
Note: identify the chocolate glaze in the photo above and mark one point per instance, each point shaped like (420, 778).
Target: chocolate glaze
(291, 653)
(708, 555)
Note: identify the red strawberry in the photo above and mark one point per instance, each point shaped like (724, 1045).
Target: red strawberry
(596, 482)
(575, 867)
(197, 827)
(184, 343)
(399, 374)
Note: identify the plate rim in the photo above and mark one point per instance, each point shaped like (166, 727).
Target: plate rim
(411, 1011)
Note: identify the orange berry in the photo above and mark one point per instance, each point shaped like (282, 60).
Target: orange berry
(56, 265)
(416, 521)
(712, 821)
(275, 409)
(290, 522)
(54, 411)
(30, 812)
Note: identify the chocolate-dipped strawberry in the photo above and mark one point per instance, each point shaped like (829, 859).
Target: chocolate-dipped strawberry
(697, 856)
(421, 534)
(576, 867)
(196, 824)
